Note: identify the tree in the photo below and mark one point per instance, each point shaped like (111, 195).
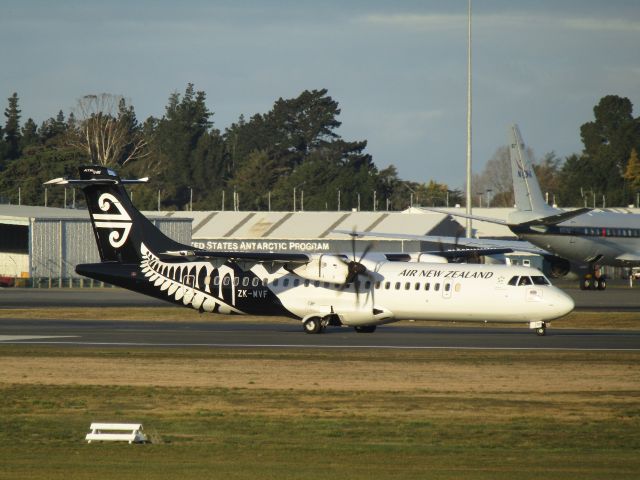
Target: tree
(12, 128)
(632, 172)
(104, 131)
(547, 172)
(29, 135)
(608, 141)
(495, 182)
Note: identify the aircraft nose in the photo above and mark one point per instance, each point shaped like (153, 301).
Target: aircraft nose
(563, 303)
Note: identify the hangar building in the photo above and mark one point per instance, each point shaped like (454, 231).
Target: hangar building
(47, 243)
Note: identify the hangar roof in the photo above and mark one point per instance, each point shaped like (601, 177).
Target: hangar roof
(213, 225)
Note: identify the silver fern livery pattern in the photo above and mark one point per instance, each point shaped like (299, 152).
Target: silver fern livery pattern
(191, 282)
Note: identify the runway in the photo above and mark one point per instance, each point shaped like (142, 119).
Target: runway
(245, 333)
(614, 299)
(248, 334)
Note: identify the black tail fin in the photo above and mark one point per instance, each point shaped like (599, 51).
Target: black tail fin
(119, 227)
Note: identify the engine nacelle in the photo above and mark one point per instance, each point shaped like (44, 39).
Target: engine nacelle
(323, 268)
(364, 317)
(558, 266)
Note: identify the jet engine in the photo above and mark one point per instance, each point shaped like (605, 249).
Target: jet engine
(557, 266)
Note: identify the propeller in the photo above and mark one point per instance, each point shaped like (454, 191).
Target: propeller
(355, 268)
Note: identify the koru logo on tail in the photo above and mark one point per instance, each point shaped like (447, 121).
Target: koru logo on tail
(119, 222)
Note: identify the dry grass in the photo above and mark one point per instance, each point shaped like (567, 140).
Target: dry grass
(293, 414)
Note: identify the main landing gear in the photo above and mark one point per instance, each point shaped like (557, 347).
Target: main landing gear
(593, 280)
(316, 324)
(313, 325)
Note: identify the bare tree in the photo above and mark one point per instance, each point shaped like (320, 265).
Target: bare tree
(107, 131)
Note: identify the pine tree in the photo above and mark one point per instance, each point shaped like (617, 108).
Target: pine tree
(29, 134)
(12, 128)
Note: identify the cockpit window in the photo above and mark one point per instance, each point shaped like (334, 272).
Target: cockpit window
(524, 281)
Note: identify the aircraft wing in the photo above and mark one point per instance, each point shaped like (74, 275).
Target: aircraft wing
(555, 219)
(546, 221)
(464, 215)
(479, 246)
(300, 258)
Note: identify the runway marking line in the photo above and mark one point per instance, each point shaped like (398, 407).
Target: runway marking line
(247, 345)
(13, 338)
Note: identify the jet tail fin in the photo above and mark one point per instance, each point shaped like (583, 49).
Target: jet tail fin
(119, 227)
(525, 184)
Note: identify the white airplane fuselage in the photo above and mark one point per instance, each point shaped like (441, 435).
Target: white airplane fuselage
(431, 291)
(394, 291)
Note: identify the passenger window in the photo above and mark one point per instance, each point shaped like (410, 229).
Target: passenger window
(275, 282)
(255, 281)
(316, 283)
(285, 283)
(236, 281)
(367, 285)
(296, 282)
(306, 283)
(245, 281)
(447, 287)
(407, 286)
(265, 281)
(226, 281)
(216, 281)
(387, 285)
(436, 287)
(417, 286)
(397, 285)
(427, 286)
(377, 285)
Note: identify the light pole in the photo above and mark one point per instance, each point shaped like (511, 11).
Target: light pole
(294, 194)
(412, 192)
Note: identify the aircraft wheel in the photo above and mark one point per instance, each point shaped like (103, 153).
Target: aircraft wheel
(585, 284)
(365, 329)
(602, 285)
(541, 331)
(312, 325)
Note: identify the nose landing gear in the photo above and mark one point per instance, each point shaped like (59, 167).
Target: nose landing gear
(540, 328)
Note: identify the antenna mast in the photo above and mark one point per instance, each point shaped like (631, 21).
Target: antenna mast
(469, 230)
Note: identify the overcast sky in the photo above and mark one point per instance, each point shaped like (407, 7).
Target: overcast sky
(397, 68)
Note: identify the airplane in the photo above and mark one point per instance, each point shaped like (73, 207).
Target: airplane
(317, 289)
(584, 236)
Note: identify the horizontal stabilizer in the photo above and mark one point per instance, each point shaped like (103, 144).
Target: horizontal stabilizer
(629, 257)
(94, 181)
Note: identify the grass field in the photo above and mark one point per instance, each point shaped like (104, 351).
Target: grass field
(316, 414)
